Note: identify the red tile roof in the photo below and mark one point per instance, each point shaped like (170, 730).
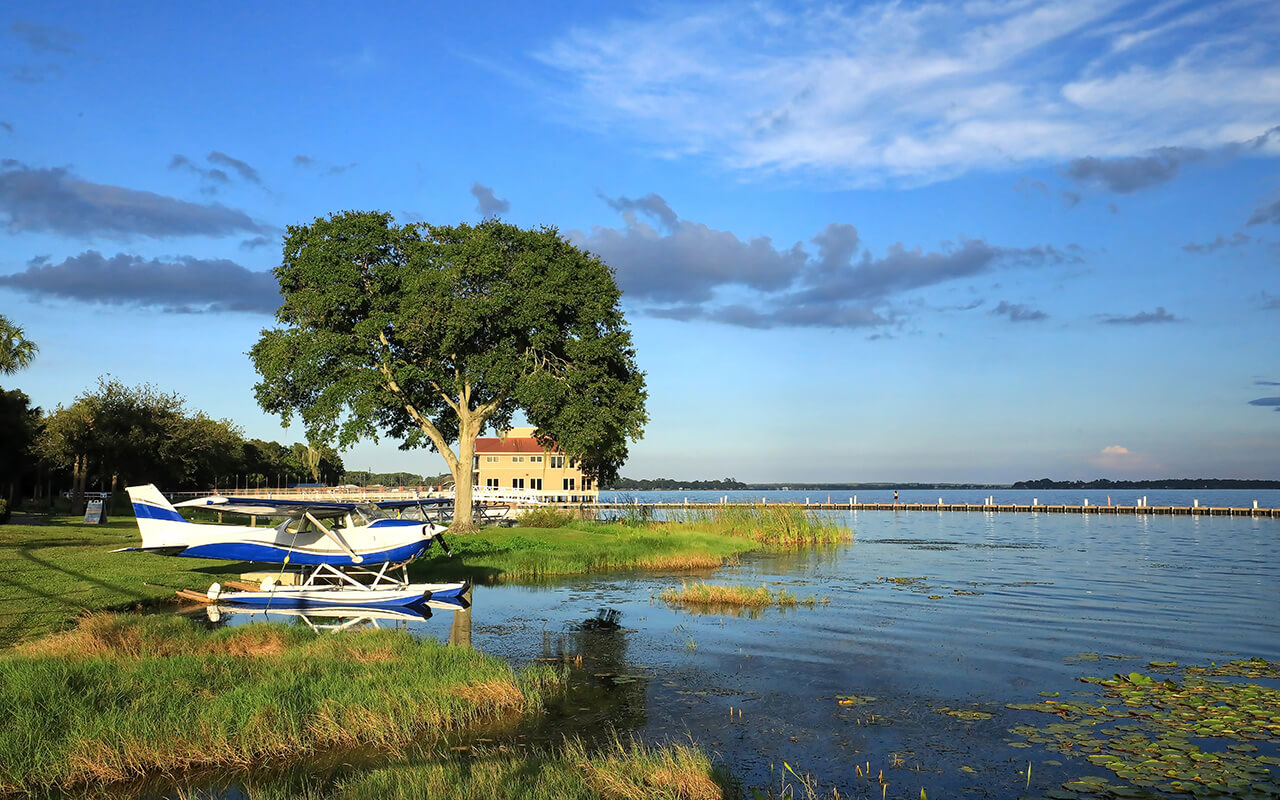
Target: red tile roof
(511, 444)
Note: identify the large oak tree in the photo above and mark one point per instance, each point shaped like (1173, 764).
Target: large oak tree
(431, 333)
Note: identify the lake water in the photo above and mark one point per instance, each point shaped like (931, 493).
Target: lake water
(987, 609)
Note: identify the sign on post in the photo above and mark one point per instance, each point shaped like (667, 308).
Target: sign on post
(95, 512)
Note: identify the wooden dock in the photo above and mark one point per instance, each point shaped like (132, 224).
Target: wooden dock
(992, 508)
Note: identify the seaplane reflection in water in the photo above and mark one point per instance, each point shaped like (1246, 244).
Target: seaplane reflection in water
(343, 554)
(337, 619)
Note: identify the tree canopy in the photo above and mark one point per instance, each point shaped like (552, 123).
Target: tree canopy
(16, 350)
(430, 334)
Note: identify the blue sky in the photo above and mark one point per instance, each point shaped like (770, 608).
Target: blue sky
(979, 241)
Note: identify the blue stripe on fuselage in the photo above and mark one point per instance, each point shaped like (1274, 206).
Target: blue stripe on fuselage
(144, 511)
(246, 551)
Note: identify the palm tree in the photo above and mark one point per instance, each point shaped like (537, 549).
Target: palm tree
(16, 350)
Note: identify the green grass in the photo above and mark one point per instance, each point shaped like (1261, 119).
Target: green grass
(53, 572)
(495, 554)
(774, 526)
(713, 595)
(124, 696)
(691, 539)
(571, 772)
(546, 517)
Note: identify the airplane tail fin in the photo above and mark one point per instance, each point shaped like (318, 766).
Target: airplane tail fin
(159, 522)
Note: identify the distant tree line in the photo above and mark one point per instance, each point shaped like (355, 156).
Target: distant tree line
(1164, 483)
(661, 484)
(117, 435)
(366, 478)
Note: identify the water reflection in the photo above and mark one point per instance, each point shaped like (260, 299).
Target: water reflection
(335, 619)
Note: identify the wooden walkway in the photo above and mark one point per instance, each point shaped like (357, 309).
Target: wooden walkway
(997, 508)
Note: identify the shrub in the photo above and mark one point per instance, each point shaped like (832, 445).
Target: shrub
(4, 511)
(545, 518)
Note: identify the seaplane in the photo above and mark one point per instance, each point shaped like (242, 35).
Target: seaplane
(344, 553)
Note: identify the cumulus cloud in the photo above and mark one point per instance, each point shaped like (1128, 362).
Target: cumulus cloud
(1115, 450)
(688, 270)
(1070, 199)
(916, 92)
(179, 285)
(1237, 239)
(1142, 318)
(1124, 175)
(6, 126)
(1017, 312)
(487, 203)
(304, 161)
(55, 201)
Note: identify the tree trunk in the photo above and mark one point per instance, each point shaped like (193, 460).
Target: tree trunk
(111, 503)
(463, 476)
(78, 470)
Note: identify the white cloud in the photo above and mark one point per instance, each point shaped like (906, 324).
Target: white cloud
(913, 92)
(1115, 450)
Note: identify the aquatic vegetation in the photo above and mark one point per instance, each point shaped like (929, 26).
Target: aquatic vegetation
(854, 699)
(495, 554)
(966, 714)
(775, 526)
(721, 597)
(1195, 736)
(616, 771)
(125, 696)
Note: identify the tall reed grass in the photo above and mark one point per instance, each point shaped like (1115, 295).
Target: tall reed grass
(707, 594)
(619, 771)
(121, 697)
(775, 525)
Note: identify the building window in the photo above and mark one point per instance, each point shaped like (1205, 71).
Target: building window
(568, 484)
(557, 462)
(535, 483)
(535, 459)
(518, 459)
(491, 483)
(517, 483)
(586, 484)
(491, 459)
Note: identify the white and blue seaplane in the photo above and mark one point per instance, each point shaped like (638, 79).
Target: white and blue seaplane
(344, 554)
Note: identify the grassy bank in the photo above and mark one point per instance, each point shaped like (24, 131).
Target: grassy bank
(690, 539)
(495, 554)
(121, 696)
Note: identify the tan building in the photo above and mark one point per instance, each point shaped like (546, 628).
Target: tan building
(516, 461)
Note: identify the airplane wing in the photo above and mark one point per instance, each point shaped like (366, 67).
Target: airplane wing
(425, 501)
(261, 507)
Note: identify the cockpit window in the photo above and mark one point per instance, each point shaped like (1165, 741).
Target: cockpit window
(369, 512)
